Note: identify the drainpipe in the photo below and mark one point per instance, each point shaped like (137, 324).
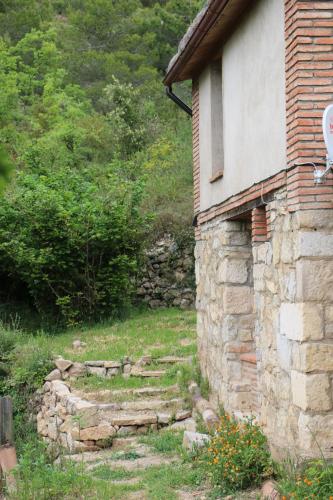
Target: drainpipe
(178, 101)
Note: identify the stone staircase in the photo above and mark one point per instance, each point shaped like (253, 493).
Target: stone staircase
(82, 421)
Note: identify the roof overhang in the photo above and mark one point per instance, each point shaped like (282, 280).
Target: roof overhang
(204, 38)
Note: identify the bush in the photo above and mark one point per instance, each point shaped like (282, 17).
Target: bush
(311, 480)
(72, 241)
(237, 456)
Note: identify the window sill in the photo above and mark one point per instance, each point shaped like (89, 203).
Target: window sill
(218, 175)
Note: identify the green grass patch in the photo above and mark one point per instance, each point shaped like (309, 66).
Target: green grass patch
(105, 473)
(151, 332)
(164, 481)
(169, 442)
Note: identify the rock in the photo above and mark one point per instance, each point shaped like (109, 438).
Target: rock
(79, 446)
(46, 387)
(102, 431)
(122, 419)
(95, 363)
(95, 370)
(59, 388)
(164, 418)
(53, 375)
(126, 430)
(77, 370)
(182, 414)
(86, 413)
(63, 364)
(112, 364)
(78, 344)
(193, 440)
(112, 372)
(268, 491)
(188, 424)
(144, 360)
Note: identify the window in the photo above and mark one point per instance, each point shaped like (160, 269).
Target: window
(216, 120)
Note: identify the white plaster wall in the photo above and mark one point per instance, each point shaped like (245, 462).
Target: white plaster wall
(254, 122)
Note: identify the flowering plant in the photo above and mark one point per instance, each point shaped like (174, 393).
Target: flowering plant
(237, 455)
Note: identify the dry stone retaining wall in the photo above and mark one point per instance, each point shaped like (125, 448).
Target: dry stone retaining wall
(167, 278)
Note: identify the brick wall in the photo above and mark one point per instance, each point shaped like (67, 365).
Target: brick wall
(309, 89)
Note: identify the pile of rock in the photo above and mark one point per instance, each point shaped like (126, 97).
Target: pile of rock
(66, 369)
(77, 424)
(167, 277)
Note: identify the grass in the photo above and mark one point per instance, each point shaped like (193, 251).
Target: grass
(157, 333)
(164, 442)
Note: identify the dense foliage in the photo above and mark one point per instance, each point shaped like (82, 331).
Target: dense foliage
(97, 147)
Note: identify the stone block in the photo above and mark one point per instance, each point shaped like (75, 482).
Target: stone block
(238, 300)
(313, 219)
(194, 440)
(313, 357)
(53, 375)
(101, 431)
(301, 321)
(314, 280)
(329, 321)
(63, 364)
(112, 364)
(112, 372)
(314, 244)
(96, 370)
(86, 414)
(315, 434)
(77, 370)
(311, 392)
(232, 271)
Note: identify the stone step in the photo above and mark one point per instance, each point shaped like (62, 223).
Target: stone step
(108, 395)
(116, 457)
(153, 404)
(173, 360)
(134, 419)
(148, 373)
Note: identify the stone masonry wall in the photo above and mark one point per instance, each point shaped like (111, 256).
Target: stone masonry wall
(225, 312)
(167, 278)
(265, 324)
(293, 278)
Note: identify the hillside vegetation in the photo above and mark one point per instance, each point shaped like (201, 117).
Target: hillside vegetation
(102, 159)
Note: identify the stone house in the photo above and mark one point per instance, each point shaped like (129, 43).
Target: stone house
(262, 74)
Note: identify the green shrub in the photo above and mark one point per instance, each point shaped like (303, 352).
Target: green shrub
(312, 480)
(73, 243)
(237, 456)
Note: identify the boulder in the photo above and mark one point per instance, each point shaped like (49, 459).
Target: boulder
(193, 440)
(78, 344)
(53, 375)
(63, 364)
(77, 370)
